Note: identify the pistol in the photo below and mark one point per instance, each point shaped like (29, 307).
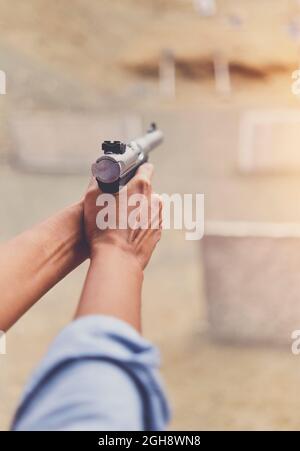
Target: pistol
(119, 161)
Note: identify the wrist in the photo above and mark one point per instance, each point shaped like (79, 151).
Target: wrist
(119, 251)
(65, 231)
(113, 285)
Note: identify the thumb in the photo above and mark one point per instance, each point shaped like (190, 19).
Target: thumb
(145, 171)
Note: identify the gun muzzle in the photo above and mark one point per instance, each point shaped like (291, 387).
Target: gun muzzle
(119, 162)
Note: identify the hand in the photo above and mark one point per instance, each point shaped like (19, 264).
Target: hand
(138, 242)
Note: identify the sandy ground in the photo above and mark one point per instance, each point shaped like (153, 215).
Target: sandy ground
(56, 64)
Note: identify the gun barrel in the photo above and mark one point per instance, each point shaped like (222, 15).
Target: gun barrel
(149, 141)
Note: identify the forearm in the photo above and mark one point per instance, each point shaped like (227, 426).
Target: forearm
(36, 260)
(113, 285)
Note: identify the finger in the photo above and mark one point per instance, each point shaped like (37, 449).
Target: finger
(152, 241)
(92, 183)
(141, 182)
(156, 210)
(152, 213)
(145, 171)
(142, 220)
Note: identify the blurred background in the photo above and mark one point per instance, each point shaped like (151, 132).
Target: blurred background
(218, 78)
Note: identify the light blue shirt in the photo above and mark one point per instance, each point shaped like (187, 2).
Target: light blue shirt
(99, 374)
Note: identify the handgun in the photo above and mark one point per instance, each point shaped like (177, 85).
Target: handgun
(119, 161)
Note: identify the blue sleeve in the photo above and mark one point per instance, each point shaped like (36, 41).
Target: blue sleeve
(99, 374)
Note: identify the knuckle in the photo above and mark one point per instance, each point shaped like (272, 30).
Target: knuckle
(161, 205)
(157, 200)
(143, 183)
(156, 197)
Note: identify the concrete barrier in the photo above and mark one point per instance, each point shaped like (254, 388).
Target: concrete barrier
(252, 281)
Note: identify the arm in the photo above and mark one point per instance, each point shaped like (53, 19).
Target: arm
(113, 292)
(118, 257)
(36, 260)
(100, 374)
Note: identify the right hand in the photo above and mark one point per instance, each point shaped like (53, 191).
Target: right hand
(138, 242)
